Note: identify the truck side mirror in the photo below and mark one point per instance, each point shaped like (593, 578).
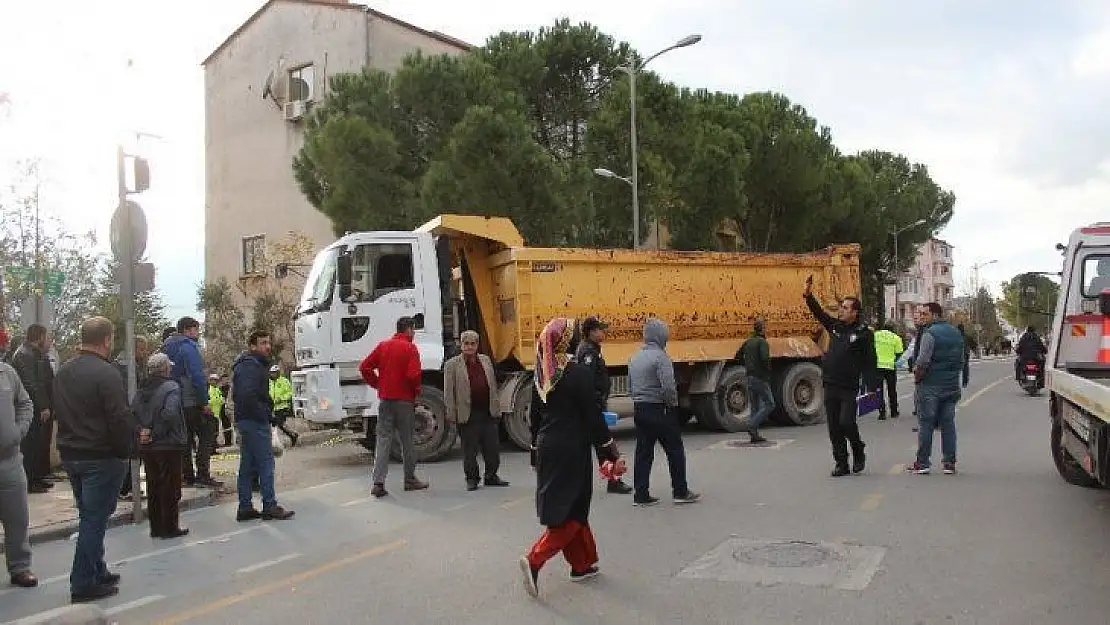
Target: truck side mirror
(418, 321)
(1104, 302)
(343, 274)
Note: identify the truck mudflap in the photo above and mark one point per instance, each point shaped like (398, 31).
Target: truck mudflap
(1087, 441)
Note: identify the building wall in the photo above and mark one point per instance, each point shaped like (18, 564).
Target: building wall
(249, 146)
(930, 279)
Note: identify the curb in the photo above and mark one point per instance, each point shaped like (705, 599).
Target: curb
(62, 530)
(82, 614)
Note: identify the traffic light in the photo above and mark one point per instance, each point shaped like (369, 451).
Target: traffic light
(142, 174)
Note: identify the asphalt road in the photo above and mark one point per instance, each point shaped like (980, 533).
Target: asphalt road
(1004, 541)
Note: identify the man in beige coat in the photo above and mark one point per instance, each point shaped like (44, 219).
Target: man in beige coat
(470, 389)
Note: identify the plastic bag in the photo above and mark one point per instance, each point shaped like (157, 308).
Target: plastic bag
(276, 444)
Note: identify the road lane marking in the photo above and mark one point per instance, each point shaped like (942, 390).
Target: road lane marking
(898, 468)
(512, 503)
(149, 554)
(281, 584)
(266, 564)
(324, 485)
(980, 392)
(131, 605)
(354, 502)
(871, 502)
(457, 508)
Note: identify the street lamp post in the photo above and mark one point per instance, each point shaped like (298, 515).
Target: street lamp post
(898, 276)
(975, 302)
(632, 70)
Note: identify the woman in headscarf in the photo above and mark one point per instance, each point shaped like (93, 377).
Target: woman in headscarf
(567, 422)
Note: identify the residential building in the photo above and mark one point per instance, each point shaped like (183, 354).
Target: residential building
(929, 279)
(260, 83)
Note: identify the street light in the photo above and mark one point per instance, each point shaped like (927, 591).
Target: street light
(632, 70)
(605, 173)
(975, 301)
(898, 276)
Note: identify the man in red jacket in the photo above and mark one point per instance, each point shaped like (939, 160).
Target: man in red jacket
(393, 369)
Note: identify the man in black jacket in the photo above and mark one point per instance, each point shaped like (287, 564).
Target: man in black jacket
(33, 366)
(849, 361)
(589, 354)
(95, 433)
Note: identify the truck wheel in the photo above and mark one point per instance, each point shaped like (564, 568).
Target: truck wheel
(518, 426)
(803, 397)
(704, 406)
(731, 404)
(1066, 465)
(434, 438)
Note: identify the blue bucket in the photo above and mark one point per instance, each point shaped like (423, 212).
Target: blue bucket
(611, 418)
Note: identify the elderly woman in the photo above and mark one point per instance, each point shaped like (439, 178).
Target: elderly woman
(566, 422)
(162, 439)
(470, 391)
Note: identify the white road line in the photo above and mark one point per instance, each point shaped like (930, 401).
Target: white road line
(354, 502)
(324, 485)
(131, 605)
(980, 392)
(268, 563)
(149, 554)
(456, 508)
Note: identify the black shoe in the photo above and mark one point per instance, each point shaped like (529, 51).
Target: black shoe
(645, 501)
(293, 438)
(472, 485)
(190, 482)
(893, 414)
(618, 487)
(756, 438)
(493, 480)
(24, 579)
(576, 576)
(37, 489)
(209, 482)
(882, 416)
(277, 513)
(859, 463)
(840, 471)
(177, 533)
(44, 483)
(111, 579)
(379, 491)
(248, 514)
(94, 593)
(689, 497)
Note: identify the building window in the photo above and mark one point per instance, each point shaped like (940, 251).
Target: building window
(254, 255)
(302, 84)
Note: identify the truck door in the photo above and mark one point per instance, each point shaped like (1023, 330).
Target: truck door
(384, 287)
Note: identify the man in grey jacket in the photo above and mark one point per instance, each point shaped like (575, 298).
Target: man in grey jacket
(16, 414)
(655, 399)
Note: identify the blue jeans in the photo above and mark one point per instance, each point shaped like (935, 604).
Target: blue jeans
(936, 408)
(95, 485)
(256, 457)
(761, 400)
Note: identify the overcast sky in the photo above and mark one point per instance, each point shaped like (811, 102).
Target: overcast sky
(1006, 102)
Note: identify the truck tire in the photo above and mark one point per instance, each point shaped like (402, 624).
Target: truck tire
(803, 396)
(1066, 465)
(731, 401)
(705, 411)
(434, 438)
(518, 425)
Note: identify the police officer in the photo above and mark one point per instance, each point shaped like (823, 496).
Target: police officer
(589, 354)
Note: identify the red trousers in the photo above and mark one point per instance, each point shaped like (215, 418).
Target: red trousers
(574, 539)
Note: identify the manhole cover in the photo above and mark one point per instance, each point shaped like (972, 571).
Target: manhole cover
(784, 555)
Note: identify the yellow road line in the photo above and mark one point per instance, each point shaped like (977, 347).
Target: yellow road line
(258, 591)
(898, 468)
(980, 392)
(871, 502)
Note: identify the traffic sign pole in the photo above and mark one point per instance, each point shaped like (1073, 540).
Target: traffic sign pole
(127, 307)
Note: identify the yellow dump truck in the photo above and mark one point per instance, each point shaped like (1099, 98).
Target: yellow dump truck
(464, 272)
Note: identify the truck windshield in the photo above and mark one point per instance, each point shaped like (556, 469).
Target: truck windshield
(1096, 274)
(320, 284)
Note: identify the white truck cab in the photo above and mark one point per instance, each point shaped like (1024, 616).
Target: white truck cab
(356, 291)
(1078, 363)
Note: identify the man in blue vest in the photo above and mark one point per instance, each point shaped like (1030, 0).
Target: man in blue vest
(938, 367)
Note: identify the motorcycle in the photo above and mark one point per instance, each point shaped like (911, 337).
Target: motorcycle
(1031, 378)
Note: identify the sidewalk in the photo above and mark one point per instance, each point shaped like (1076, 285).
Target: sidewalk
(54, 514)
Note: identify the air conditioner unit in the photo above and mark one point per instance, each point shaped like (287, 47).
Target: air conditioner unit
(295, 110)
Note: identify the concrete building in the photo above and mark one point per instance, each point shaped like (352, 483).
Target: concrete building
(259, 85)
(928, 280)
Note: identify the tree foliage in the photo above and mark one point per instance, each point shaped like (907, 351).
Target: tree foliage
(1039, 315)
(517, 126)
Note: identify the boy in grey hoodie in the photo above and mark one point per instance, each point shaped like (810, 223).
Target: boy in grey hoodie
(655, 398)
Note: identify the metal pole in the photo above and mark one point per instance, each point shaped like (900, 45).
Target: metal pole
(127, 308)
(40, 282)
(897, 281)
(635, 166)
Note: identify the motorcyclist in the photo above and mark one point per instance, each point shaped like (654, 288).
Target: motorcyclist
(1030, 348)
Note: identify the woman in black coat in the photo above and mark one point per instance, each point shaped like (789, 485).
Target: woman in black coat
(567, 423)
(162, 439)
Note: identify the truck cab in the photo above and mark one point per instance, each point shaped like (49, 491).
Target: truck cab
(1078, 362)
(355, 292)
